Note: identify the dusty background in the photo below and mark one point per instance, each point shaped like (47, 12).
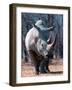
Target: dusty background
(55, 66)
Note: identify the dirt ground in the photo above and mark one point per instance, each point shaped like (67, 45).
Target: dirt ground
(55, 66)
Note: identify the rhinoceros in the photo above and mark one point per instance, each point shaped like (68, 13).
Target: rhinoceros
(37, 47)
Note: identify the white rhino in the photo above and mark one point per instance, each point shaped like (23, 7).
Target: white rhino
(37, 47)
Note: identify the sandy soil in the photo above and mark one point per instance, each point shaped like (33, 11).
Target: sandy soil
(56, 68)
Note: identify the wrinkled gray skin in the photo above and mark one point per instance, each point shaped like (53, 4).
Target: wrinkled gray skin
(38, 49)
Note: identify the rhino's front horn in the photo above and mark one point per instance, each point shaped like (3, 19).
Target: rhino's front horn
(49, 40)
(51, 45)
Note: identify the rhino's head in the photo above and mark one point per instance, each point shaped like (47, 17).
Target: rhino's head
(43, 47)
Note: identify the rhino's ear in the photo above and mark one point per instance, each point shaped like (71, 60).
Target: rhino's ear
(51, 28)
(42, 28)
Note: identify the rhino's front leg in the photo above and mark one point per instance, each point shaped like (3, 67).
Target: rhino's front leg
(34, 58)
(44, 66)
(47, 65)
(37, 64)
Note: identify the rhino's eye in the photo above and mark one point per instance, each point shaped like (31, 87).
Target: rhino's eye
(42, 45)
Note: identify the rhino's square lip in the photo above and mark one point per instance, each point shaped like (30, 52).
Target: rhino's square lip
(13, 46)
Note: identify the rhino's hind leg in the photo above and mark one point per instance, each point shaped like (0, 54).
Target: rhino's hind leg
(34, 59)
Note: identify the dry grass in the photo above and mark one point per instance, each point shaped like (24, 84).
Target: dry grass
(56, 68)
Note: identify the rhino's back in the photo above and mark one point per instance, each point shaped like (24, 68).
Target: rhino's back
(30, 38)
